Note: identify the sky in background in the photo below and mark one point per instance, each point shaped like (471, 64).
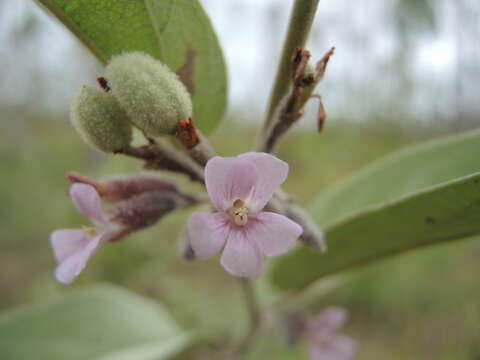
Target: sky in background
(382, 66)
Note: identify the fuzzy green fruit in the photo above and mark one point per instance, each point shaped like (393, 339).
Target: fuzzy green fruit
(151, 94)
(100, 120)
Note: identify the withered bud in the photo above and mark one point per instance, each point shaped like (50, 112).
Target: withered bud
(122, 187)
(144, 209)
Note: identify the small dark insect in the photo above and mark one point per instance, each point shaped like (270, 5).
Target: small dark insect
(103, 83)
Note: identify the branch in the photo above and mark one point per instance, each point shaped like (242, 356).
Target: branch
(301, 20)
(161, 157)
(196, 144)
(291, 108)
(312, 236)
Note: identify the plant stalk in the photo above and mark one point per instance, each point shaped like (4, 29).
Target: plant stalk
(301, 20)
(254, 315)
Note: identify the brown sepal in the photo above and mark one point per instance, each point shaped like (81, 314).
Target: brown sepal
(187, 133)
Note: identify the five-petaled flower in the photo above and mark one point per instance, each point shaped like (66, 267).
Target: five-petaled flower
(324, 343)
(239, 188)
(74, 247)
(139, 202)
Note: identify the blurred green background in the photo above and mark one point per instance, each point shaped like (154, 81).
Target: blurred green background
(422, 305)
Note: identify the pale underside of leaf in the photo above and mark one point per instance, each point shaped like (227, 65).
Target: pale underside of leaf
(446, 212)
(363, 201)
(402, 173)
(99, 323)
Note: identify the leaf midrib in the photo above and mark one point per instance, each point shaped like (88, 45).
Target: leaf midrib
(157, 31)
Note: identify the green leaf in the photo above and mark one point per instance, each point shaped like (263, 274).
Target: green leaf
(402, 173)
(178, 32)
(355, 212)
(99, 323)
(446, 212)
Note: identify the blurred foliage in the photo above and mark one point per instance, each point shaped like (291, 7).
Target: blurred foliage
(102, 322)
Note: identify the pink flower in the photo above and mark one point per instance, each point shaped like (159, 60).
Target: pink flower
(325, 344)
(74, 247)
(239, 188)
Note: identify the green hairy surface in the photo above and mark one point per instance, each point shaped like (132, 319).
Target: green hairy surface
(149, 92)
(100, 120)
(179, 33)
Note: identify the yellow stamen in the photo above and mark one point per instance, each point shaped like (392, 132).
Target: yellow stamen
(239, 213)
(89, 231)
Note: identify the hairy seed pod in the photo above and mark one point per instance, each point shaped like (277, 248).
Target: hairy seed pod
(100, 120)
(151, 94)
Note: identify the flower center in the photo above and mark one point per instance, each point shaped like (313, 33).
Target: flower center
(239, 213)
(89, 231)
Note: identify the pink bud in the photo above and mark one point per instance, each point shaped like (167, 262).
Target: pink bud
(143, 210)
(122, 187)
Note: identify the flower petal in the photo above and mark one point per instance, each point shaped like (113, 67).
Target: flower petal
(207, 233)
(87, 201)
(241, 257)
(65, 242)
(271, 171)
(273, 233)
(72, 266)
(337, 348)
(329, 320)
(228, 179)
